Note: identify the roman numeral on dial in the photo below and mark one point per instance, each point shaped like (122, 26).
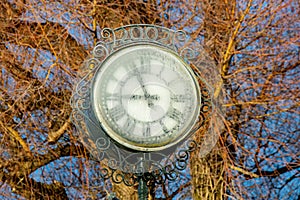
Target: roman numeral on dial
(112, 96)
(180, 98)
(145, 65)
(146, 130)
(129, 125)
(163, 126)
(175, 114)
(116, 112)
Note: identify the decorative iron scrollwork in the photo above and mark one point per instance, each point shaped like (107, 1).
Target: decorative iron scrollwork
(125, 165)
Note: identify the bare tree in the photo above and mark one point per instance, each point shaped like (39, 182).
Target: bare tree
(255, 47)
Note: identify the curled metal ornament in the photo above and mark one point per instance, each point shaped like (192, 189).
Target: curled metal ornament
(123, 164)
(113, 39)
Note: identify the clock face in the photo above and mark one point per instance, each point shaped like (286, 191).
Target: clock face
(146, 97)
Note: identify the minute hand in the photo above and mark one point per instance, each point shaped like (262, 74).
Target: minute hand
(146, 94)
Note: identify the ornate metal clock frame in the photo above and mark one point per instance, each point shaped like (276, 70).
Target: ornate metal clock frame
(123, 164)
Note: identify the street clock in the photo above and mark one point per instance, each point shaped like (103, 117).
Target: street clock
(140, 100)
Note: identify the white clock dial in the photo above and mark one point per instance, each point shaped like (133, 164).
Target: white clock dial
(146, 97)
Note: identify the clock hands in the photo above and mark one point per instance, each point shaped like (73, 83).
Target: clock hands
(149, 98)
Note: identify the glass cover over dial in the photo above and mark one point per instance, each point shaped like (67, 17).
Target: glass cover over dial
(146, 97)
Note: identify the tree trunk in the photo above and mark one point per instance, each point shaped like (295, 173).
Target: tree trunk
(208, 173)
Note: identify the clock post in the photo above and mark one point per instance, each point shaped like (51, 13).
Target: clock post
(142, 188)
(140, 103)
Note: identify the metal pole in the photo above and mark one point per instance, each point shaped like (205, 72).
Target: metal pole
(143, 188)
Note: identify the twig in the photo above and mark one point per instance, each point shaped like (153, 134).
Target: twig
(16, 135)
(53, 136)
(251, 174)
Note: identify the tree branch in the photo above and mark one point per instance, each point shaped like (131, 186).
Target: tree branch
(243, 171)
(54, 136)
(229, 49)
(62, 45)
(274, 173)
(15, 172)
(31, 189)
(16, 135)
(281, 170)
